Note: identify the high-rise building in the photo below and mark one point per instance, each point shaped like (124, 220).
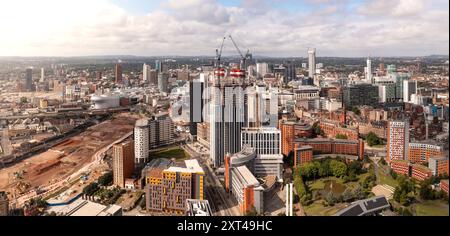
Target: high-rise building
(4, 204)
(409, 88)
(29, 80)
(153, 77)
(163, 82)
(312, 62)
(158, 66)
(422, 152)
(228, 114)
(262, 69)
(360, 95)
(196, 89)
(397, 140)
(267, 144)
(262, 107)
(123, 162)
(42, 75)
(369, 74)
(399, 81)
(146, 72)
(119, 74)
(289, 74)
(167, 190)
(161, 130)
(141, 141)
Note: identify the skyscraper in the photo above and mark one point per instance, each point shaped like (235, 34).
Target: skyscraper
(369, 71)
(397, 140)
(141, 141)
(158, 66)
(289, 72)
(262, 69)
(146, 72)
(42, 75)
(196, 89)
(163, 82)
(123, 162)
(228, 114)
(312, 62)
(409, 88)
(118, 73)
(29, 79)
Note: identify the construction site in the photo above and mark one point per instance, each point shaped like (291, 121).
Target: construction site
(65, 165)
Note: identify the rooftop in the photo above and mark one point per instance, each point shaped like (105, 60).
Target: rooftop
(365, 207)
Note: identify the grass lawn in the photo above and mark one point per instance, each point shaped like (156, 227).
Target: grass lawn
(431, 208)
(317, 209)
(387, 179)
(320, 183)
(175, 152)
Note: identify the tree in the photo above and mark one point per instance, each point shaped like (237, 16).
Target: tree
(330, 199)
(251, 212)
(341, 136)
(90, 189)
(358, 193)
(356, 111)
(373, 140)
(347, 195)
(23, 100)
(338, 168)
(106, 179)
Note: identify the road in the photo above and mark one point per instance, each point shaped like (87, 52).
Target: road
(219, 199)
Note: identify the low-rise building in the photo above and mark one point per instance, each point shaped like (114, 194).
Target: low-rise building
(400, 167)
(195, 207)
(333, 146)
(421, 152)
(247, 190)
(444, 185)
(82, 207)
(420, 172)
(438, 165)
(303, 155)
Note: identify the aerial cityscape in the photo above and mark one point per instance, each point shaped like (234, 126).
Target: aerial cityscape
(224, 108)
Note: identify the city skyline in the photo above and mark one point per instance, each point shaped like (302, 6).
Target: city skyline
(281, 28)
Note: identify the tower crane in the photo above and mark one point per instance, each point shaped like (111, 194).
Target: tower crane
(243, 58)
(219, 53)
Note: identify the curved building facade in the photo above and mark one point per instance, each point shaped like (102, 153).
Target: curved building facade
(105, 102)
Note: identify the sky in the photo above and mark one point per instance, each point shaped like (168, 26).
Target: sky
(343, 28)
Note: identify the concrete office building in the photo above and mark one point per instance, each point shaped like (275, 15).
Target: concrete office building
(360, 95)
(397, 140)
(267, 144)
(123, 162)
(161, 130)
(146, 71)
(167, 190)
(261, 70)
(409, 88)
(141, 141)
(29, 80)
(119, 74)
(163, 82)
(158, 66)
(312, 62)
(196, 89)
(42, 75)
(369, 74)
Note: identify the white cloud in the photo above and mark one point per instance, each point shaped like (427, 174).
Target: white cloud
(195, 27)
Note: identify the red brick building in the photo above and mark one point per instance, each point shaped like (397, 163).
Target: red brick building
(332, 129)
(444, 185)
(438, 165)
(400, 167)
(421, 152)
(303, 155)
(291, 130)
(333, 146)
(420, 172)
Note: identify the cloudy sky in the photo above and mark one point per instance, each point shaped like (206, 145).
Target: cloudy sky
(195, 27)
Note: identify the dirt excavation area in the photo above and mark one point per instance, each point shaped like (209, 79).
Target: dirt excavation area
(60, 162)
